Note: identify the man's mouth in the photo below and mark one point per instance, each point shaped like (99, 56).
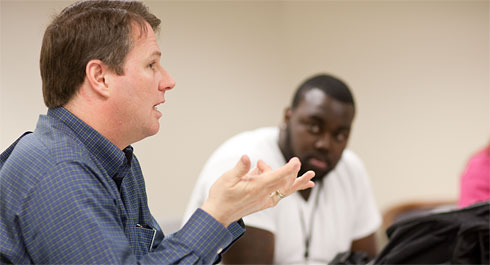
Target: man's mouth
(155, 107)
(318, 163)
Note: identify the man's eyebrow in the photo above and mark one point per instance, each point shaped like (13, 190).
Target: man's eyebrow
(156, 54)
(344, 128)
(316, 118)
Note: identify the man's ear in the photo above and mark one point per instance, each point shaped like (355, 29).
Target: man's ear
(288, 112)
(96, 73)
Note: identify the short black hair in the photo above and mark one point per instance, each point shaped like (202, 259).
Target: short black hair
(329, 84)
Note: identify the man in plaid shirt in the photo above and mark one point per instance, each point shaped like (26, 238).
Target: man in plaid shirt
(73, 191)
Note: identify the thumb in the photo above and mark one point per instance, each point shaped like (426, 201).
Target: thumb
(242, 167)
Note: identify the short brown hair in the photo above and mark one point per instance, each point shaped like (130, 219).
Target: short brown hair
(87, 30)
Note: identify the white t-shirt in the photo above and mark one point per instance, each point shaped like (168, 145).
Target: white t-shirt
(346, 209)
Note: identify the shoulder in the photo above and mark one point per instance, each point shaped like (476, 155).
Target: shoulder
(351, 159)
(250, 139)
(38, 155)
(350, 169)
(253, 143)
(36, 173)
(480, 159)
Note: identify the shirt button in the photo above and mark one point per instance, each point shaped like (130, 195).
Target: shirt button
(219, 250)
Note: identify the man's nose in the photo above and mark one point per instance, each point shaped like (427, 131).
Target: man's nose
(167, 81)
(323, 141)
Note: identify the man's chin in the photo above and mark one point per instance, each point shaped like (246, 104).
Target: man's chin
(319, 173)
(318, 178)
(152, 130)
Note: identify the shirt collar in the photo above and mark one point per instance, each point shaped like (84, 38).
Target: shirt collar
(111, 157)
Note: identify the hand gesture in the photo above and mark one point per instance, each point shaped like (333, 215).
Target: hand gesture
(240, 192)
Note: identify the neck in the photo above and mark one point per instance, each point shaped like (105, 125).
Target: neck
(305, 194)
(94, 117)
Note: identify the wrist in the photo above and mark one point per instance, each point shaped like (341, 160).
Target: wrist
(216, 214)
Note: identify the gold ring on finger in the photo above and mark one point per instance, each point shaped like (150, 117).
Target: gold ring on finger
(280, 195)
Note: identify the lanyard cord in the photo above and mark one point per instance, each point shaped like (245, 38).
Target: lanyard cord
(303, 227)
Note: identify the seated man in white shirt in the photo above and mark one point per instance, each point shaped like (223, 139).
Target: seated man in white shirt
(311, 226)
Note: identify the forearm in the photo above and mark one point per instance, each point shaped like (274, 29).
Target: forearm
(366, 245)
(201, 240)
(86, 228)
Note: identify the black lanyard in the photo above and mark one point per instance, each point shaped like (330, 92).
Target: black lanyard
(303, 227)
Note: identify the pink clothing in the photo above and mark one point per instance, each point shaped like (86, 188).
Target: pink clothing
(475, 181)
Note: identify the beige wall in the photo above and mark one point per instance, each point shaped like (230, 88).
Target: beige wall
(419, 71)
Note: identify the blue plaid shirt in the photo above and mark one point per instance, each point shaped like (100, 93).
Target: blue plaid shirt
(68, 195)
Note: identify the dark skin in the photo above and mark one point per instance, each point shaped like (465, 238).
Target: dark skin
(316, 132)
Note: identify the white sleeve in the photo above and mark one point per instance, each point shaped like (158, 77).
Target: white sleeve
(263, 219)
(368, 218)
(223, 159)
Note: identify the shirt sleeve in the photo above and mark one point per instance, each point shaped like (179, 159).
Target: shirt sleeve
(203, 236)
(70, 218)
(263, 220)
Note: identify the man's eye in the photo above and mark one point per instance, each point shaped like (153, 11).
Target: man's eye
(341, 137)
(313, 128)
(152, 65)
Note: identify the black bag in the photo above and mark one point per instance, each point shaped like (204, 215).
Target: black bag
(455, 237)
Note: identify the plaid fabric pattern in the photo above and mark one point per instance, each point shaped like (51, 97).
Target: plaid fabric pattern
(68, 195)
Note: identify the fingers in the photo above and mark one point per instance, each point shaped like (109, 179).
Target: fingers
(294, 162)
(253, 173)
(260, 168)
(275, 184)
(242, 167)
(283, 176)
(263, 167)
(279, 183)
(300, 183)
(303, 182)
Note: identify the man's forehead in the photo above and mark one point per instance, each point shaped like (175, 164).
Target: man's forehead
(144, 35)
(313, 96)
(316, 103)
(140, 30)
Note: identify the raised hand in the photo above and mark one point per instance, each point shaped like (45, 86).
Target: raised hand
(241, 191)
